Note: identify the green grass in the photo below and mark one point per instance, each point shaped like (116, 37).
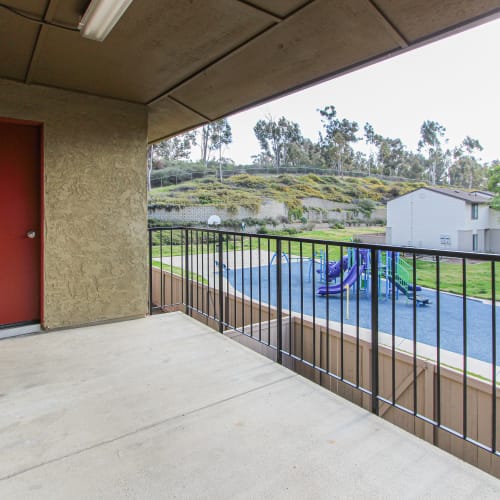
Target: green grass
(340, 235)
(478, 282)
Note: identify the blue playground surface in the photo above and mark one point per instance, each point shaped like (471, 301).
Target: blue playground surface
(479, 334)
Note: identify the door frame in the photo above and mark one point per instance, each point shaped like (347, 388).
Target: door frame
(40, 127)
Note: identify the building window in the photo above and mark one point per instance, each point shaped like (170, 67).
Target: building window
(474, 211)
(474, 243)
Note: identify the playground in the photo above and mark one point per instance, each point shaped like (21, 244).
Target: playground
(313, 287)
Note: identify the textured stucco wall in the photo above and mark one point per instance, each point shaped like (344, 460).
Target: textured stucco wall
(95, 237)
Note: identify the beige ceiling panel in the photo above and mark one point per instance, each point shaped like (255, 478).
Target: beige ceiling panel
(68, 11)
(18, 37)
(35, 8)
(326, 37)
(166, 117)
(279, 7)
(417, 19)
(155, 45)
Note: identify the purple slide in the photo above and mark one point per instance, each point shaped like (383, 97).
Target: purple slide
(350, 279)
(334, 268)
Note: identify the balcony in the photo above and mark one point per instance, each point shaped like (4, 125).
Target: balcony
(164, 407)
(423, 355)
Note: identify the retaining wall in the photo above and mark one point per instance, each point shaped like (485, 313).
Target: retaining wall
(315, 210)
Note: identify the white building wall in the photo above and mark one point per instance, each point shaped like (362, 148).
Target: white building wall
(477, 227)
(494, 219)
(426, 219)
(482, 221)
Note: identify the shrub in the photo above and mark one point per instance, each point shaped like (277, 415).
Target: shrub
(366, 207)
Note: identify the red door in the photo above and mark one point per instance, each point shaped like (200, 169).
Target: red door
(19, 223)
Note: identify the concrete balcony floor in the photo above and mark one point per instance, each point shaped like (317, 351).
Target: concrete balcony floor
(163, 407)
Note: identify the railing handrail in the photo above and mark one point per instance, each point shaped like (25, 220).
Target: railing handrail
(289, 318)
(433, 252)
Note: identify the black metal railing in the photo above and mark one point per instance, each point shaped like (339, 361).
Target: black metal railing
(412, 331)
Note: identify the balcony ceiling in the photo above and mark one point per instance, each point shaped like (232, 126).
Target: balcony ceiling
(192, 61)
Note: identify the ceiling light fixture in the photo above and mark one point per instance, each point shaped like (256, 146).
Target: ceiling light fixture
(100, 18)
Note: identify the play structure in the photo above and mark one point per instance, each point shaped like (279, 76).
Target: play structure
(393, 272)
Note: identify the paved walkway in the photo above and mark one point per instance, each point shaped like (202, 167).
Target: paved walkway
(163, 407)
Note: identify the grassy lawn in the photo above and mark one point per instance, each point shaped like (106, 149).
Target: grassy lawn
(478, 283)
(340, 235)
(478, 274)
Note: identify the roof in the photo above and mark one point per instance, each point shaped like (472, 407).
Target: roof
(193, 61)
(469, 197)
(489, 194)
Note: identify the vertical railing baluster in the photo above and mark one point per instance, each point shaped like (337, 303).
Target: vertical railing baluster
(150, 272)
(289, 297)
(251, 286)
(279, 304)
(313, 291)
(301, 302)
(211, 249)
(221, 284)
(203, 290)
(414, 304)
(392, 283)
(464, 316)
(438, 341)
(327, 315)
(358, 284)
(374, 332)
(227, 308)
(235, 286)
(342, 312)
(191, 270)
(196, 279)
(268, 291)
(493, 360)
(171, 267)
(260, 287)
(242, 253)
(162, 290)
(186, 256)
(183, 267)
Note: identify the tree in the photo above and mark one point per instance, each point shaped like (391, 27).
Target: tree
(176, 148)
(361, 163)
(221, 136)
(370, 140)
(366, 207)
(466, 170)
(392, 155)
(205, 132)
(209, 135)
(276, 139)
(414, 167)
(338, 136)
(494, 183)
(494, 177)
(431, 134)
(303, 153)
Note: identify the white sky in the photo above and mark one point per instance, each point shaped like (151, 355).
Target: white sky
(455, 81)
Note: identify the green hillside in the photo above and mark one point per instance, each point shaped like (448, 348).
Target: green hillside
(249, 190)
